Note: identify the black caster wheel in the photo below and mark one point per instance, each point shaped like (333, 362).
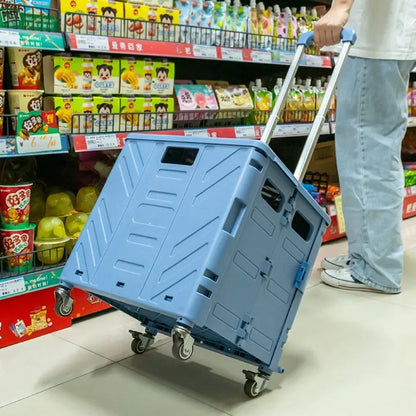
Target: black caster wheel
(250, 388)
(179, 351)
(60, 310)
(137, 346)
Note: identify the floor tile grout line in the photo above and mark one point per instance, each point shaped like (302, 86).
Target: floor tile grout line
(57, 385)
(173, 388)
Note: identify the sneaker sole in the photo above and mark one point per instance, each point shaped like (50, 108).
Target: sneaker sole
(359, 287)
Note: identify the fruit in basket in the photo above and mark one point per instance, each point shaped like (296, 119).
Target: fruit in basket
(75, 223)
(59, 205)
(86, 198)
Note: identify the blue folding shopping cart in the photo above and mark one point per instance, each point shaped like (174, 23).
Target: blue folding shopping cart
(207, 240)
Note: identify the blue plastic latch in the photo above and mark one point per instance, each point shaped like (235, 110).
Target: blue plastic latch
(300, 276)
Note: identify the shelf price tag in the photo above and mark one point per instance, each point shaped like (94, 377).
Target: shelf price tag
(39, 143)
(232, 54)
(197, 133)
(245, 132)
(12, 287)
(261, 56)
(202, 51)
(104, 141)
(340, 214)
(88, 42)
(286, 57)
(313, 60)
(9, 38)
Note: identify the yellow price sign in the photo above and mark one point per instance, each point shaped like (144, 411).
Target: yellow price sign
(340, 214)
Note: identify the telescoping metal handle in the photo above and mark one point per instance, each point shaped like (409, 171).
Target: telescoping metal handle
(348, 38)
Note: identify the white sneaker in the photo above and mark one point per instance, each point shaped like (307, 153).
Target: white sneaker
(342, 279)
(335, 263)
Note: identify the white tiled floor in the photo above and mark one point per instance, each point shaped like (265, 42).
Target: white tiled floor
(347, 354)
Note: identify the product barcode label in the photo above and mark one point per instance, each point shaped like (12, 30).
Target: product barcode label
(201, 51)
(232, 54)
(96, 43)
(9, 38)
(106, 141)
(12, 287)
(261, 56)
(245, 132)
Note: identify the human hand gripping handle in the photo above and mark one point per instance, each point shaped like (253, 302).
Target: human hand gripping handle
(346, 35)
(328, 28)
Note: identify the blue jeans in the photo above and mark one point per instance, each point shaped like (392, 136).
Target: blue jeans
(371, 123)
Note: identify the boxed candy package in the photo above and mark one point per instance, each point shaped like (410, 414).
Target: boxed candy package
(132, 76)
(162, 109)
(66, 107)
(132, 113)
(163, 78)
(106, 116)
(233, 98)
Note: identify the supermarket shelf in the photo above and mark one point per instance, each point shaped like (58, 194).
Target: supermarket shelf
(93, 43)
(19, 38)
(88, 142)
(30, 282)
(35, 145)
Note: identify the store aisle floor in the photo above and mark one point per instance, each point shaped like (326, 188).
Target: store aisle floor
(348, 354)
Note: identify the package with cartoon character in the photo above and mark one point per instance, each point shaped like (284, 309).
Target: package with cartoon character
(136, 16)
(111, 18)
(106, 76)
(25, 68)
(163, 78)
(106, 114)
(132, 76)
(162, 113)
(24, 101)
(167, 25)
(132, 113)
(66, 107)
(79, 16)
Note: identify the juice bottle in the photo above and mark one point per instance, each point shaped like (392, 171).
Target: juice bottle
(276, 92)
(253, 26)
(308, 102)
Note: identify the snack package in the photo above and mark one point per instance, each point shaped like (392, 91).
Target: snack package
(253, 26)
(206, 22)
(227, 36)
(66, 107)
(15, 204)
(218, 22)
(110, 22)
(279, 29)
(319, 94)
(136, 16)
(86, 120)
(28, 14)
(163, 78)
(195, 99)
(184, 8)
(291, 27)
(276, 92)
(308, 102)
(1, 67)
(162, 109)
(239, 24)
(263, 103)
(233, 97)
(79, 16)
(17, 244)
(132, 117)
(65, 75)
(105, 116)
(25, 68)
(106, 76)
(151, 30)
(147, 113)
(132, 76)
(24, 101)
(413, 100)
(194, 33)
(2, 103)
(293, 104)
(167, 25)
(265, 26)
